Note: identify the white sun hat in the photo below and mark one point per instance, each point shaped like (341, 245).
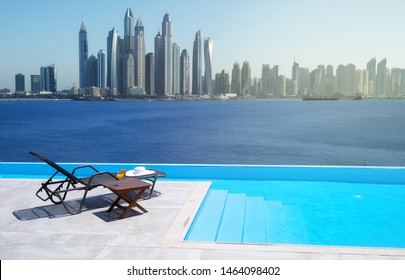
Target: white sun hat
(139, 171)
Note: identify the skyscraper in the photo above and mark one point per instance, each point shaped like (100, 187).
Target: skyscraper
(129, 31)
(266, 80)
(295, 77)
(19, 83)
(91, 72)
(185, 73)
(139, 54)
(159, 66)
(35, 83)
(236, 79)
(245, 78)
(197, 64)
(48, 79)
(83, 54)
(164, 59)
(112, 78)
(101, 71)
(167, 53)
(208, 45)
(176, 69)
(150, 74)
(371, 68)
(381, 78)
(127, 57)
(221, 83)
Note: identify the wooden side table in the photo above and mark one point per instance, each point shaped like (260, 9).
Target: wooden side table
(122, 188)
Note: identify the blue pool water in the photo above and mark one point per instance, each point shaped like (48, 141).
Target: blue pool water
(302, 212)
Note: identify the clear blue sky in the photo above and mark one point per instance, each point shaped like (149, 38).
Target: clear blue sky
(42, 32)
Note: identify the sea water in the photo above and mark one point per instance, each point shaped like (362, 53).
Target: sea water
(270, 132)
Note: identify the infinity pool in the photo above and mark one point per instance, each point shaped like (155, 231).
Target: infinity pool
(302, 212)
(340, 206)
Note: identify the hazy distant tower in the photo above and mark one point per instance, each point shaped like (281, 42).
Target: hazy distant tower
(185, 73)
(236, 79)
(245, 78)
(371, 68)
(176, 69)
(208, 47)
(83, 54)
(381, 78)
(197, 64)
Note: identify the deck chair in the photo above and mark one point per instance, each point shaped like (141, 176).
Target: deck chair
(56, 190)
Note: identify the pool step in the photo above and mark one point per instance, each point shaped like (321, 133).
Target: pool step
(206, 226)
(233, 217)
(255, 217)
(231, 228)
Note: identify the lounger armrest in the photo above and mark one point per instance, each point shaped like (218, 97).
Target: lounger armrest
(84, 166)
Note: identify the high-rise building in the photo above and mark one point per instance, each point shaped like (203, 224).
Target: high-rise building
(83, 54)
(245, 78)
(274, 80)
(197, 64)
(35, 83)
(295, 78)
(236, 79)
(127, 80)
(371, 68)
(167, 52)
(112, 61)
(19, 83)
(185, 73)
(381, 78)
(266, 80)
(221, 83)
(101, 70)
(159, 66)
(176, 69)
(164, 59)
(91, 72)
(139, 54)
(129, 31)
(48, 79)
(208, 48)
(150, 74)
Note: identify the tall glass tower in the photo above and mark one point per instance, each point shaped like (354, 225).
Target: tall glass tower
(245, 78)
(127, 58)
(208, 45)
(184, 73)
(83, 54)
(167, 52)
(139, 54)
(112, 77)
(236, 79)
(176, 69)
(101, 71)
(197, 64)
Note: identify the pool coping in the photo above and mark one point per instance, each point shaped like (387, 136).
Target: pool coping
(175, 236)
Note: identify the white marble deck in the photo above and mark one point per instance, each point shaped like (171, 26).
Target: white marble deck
(31, 229)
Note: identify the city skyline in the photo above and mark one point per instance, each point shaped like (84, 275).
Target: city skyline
(260, 32)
